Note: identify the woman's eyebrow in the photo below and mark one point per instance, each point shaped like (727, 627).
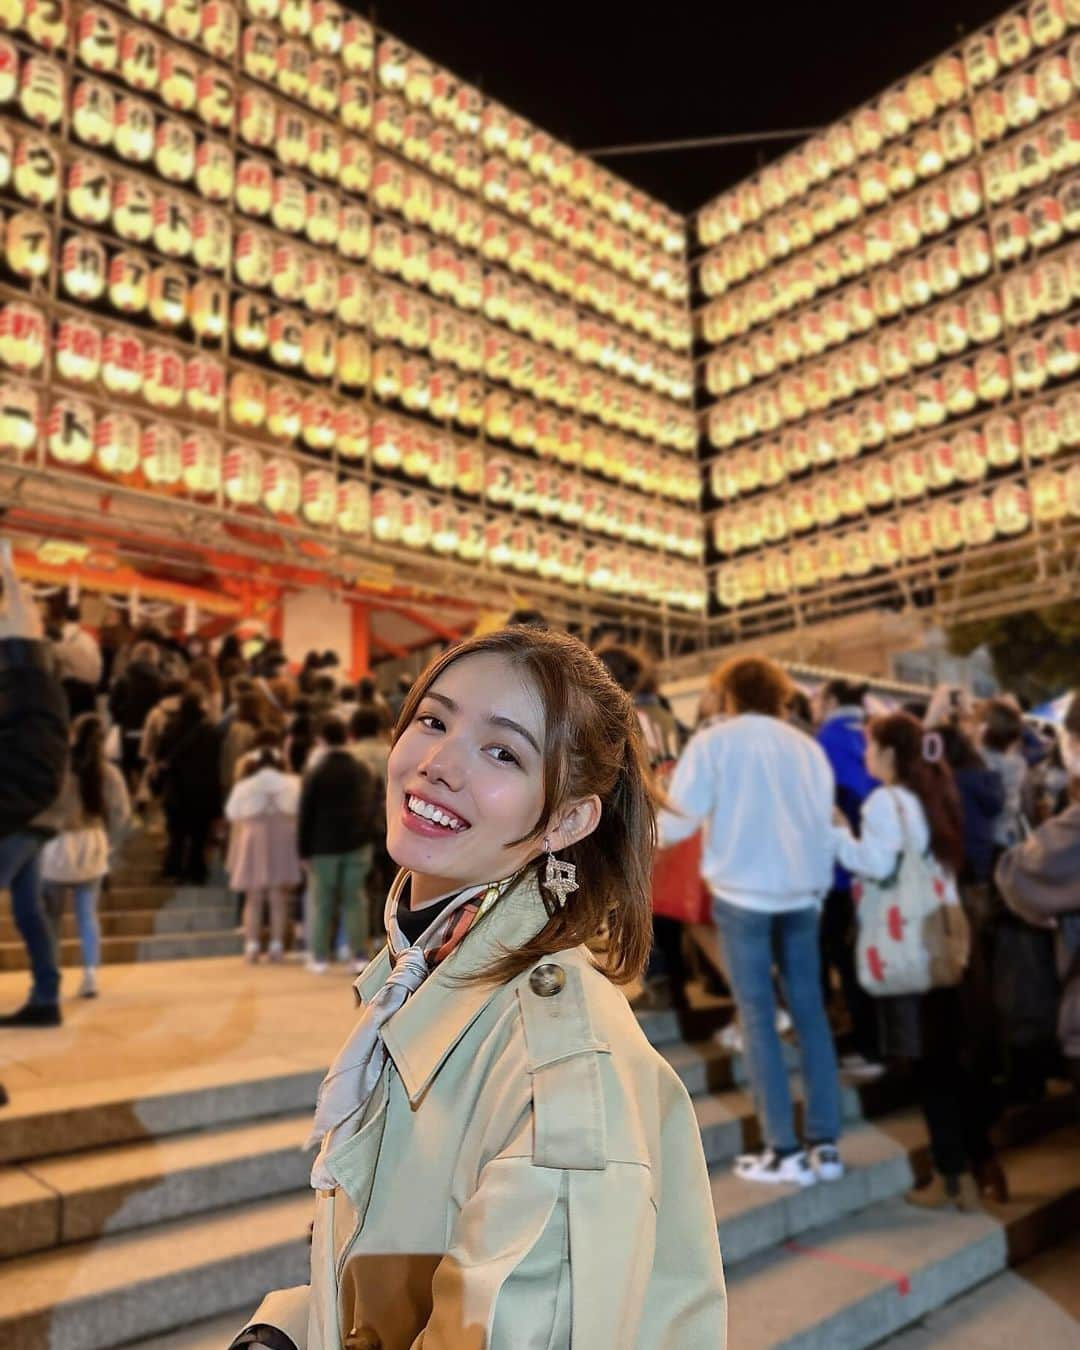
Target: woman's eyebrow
(495, 721)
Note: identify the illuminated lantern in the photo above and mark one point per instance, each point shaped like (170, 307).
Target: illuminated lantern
(83, 267)
(160, 454)
(247, 399)
(941, 471)
(323, 91)
(173, 226)
(254, 187)
(1039, 430)
(916, 539)
(1045, 221)
(20, 416)
(323, 216)
(1001, 176)
(900, 169)
(958, 382)
(183, 19)
(135, 130)
(1012, 39)
(117, 443)
(211, 239)
(969, 454)
(258, 51)
(291, 139)
(36, 172)
(253, 261)
(179, 79)
(946, 527)
(98, 38)
(293, 69)
(1049, 497)
(281, 486)
(242, 473)
(286, 336)
(357, 44)
(27, 243)
(174, 153)
(318, 351)
(351, 431)
(167, 294)
(386, 513)
(354, 234)
(1053, 85)
(93, 112)
(208, 307)
(78, 350)
(286, 272)
(204, 385)
(140, 55)
(251, 323)
(164, 377)
(283, 411)
(1048, 20)
(1012, 509)
(1051, 286)
(220, 28)
(319, 285)
(353, 507)
(324, 152)
(123, 362)
(258, 119)
(215, 98)
(1062, 344)
(1067, 409)
(200, 461)
(1027, 359)
(388, 117)
(151, 10)
(70, 431)
(355, 170)
(215, 172)
(46, 23)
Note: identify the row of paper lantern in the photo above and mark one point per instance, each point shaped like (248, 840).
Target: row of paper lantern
(967, 458)
(954, 200)
(894, 353)
(924, 278)
(343, 45)
(984, 56)
(180, 229)
(132, 285)
(172, 74)
(877, 181)
(34, 165)
(889, 235)
(1040, 431)
(169, 379)
(929, 400)
(916, 536)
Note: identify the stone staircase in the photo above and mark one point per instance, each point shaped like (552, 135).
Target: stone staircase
(158, 1216)
(143, 918)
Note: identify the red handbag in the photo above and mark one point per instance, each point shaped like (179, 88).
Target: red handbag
(678, 891)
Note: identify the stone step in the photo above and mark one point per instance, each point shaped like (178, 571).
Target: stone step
(105, 1293)
(1005, 1312)
(160, 895)
(860, 1279)
(206, 918)
(117, 950)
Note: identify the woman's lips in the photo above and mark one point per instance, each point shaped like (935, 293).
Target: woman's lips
(427, 828)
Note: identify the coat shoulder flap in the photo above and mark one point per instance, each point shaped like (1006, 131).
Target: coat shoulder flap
(562, 1053)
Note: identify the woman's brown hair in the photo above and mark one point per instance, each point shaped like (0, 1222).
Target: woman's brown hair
(204, 672)
(922, 768)
(592, 744)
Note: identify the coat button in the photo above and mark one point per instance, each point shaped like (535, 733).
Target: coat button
(363, 1338)
(546, 981)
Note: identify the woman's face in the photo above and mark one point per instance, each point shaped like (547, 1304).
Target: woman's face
(465, 779)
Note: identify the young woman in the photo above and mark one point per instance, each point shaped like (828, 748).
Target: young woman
(503, 1159)
(94, 809)
(189, 765)
(917, 805)
(263, 862)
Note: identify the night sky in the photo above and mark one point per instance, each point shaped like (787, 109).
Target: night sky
(594, 76)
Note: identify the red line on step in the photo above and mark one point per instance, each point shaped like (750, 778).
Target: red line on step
(902, 1281)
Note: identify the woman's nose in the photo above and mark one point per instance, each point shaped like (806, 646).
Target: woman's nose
(443, 764)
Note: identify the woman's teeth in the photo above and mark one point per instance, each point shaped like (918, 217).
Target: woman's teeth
(419, 807)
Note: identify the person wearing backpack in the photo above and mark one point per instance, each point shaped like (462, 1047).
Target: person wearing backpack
(916, 811)
(94, 809)
(338, 802)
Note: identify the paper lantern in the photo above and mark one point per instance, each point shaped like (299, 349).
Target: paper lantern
(247, 399)
(318, 422)
(1027, 362)
(386, 513)
(242, 471)
(135, 130)
(70, 431)
(9, 66)
(123, 362)
(93, 112)
(215, 171)
(164, 377)
(168, 296)
(291, 139)
(83, 267)
(220, 29)
(78, 350)
(160, 455)
(254, 187)
(946, 527)
(117, 444)
(215, 98)
(969, 455)
(323, 216)
(183, 19)
(173, 229)
(253, 261)
(1040, 433)
(1050, 496)
(281, 489)
(211, 239)
(353, 507)
(98, 38)
(1067, 409)
(250, 325)
(28, 244)
(1062, 345)
(20, 415)
(318, 351)
(36, 171)
(357, 45)
(140, 56)
(208, 307)
(388, 119)
(1053, 85)
(283, 411)
(200, 460)
(1012, 509)
(47, 23)
(179, 77)
(259, 51)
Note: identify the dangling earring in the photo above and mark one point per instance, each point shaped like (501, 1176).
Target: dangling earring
(560, 878)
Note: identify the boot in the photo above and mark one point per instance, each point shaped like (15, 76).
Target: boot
(992, 1181)
(34, 1015)
(934, 1195)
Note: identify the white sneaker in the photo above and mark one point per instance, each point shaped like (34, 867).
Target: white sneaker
(783, 1021)
(89, 987)
(344, 953)
(857, 1066)
(276, 951)
(772, 1170)
(317, 967)
(251, 952)
(730, 1037)
(826, 1162)
(360, 965)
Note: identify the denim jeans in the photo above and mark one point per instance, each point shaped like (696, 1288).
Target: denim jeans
(20, 872)
(86, 895)
(753, 941)
(339, 881)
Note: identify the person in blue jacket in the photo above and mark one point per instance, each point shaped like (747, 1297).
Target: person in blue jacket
(842, 736)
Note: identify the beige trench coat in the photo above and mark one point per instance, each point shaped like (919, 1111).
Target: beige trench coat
(528, 1175)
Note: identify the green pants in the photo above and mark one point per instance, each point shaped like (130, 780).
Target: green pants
(339, 881)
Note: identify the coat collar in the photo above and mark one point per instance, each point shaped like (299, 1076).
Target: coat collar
(420, 1036)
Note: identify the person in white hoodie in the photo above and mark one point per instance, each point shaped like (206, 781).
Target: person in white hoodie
(763, 794)
(262, 860)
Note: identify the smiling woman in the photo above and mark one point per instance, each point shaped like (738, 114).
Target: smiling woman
(497, 1097)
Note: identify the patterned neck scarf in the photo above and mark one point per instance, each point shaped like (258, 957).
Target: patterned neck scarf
(354, 1074)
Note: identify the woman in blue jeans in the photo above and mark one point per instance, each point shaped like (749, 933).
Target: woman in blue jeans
(762, 793)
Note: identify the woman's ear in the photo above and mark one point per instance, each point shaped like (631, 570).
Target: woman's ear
(573, 823)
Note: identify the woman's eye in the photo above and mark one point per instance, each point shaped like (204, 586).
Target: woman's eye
(431, 722)
(503, 755)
